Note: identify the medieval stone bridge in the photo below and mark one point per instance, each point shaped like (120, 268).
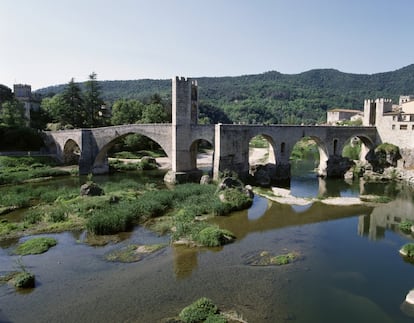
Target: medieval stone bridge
(180, 139)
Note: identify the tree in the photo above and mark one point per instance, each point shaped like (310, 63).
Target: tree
(154, 113)
(126, 111)
(12, 114)
(5, 93)
(93, 102)
(56, 109)
(74, 112)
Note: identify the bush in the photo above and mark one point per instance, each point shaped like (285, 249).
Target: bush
(198, 311)
(236, 199)
(408, 249)
(24, 280)
(405, 226)
(213, 236)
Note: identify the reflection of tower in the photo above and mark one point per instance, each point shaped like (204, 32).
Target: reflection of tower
(185, 261)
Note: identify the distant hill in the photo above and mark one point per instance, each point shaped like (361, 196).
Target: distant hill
(273, 97)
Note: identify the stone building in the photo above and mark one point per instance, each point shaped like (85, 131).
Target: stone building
(394, 123)
(31, 101)
(337, 115)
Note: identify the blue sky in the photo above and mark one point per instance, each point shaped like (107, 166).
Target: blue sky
(47, 42)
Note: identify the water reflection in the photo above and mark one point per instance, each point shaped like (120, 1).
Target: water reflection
(387, 217)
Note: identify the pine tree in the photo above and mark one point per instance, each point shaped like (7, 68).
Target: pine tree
(93, 102)
(72, 97)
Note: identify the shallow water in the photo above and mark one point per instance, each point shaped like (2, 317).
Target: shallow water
(349, 270)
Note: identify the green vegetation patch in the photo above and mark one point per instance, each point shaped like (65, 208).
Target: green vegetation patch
(265, 258)
(212, 236)
(199, 311)
(24, 280)
(133, 253)
(407, 250)
(405, 226)
(35, 246)
(15, 170)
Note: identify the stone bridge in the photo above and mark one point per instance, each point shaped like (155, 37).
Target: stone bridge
(180, 139)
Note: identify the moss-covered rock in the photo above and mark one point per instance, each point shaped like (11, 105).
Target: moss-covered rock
(265, 258)
(133, 253)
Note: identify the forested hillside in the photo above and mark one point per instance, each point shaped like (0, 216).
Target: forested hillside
(273, 97)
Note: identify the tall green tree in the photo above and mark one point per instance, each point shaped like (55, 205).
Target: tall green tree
(93, 102)
(154, 113)
(126, 111)
(12, 114)
(74, 112)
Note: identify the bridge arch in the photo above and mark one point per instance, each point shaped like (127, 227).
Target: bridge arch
(271, 146)
(199, 160)
(323, 151)
(366, 145)
(71, 152)
(100, 162)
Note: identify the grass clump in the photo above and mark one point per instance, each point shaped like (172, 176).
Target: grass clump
(110, 220)
(199, 311)
(35, 246)
(405, 226)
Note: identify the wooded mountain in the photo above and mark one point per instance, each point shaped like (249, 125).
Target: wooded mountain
(273, 97)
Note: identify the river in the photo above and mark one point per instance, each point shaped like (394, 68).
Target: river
(349, 269)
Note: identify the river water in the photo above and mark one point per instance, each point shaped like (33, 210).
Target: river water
(349, 269)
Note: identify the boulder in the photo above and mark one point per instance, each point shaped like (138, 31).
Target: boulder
(91, 189)
(337, 166)
(265, 175)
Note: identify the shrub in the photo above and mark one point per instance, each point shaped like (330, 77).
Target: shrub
(24, 280)
(35, 246)
(236, 199)
(198, 311)
(216, 318)
(408, 249)
(405, 226)
(213, 236)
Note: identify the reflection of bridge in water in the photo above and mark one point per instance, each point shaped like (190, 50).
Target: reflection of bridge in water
(180, 139)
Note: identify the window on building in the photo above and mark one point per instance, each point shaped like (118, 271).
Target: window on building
(412, 127)
(393, 127)
(403, 127)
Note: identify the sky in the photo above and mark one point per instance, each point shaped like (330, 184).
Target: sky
(48, 42)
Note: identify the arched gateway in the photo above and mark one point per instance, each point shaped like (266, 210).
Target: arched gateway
(230, 142)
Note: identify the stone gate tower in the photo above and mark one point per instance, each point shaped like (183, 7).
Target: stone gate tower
(184, 117)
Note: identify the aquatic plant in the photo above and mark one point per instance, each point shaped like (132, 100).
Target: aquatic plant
(35, 246)
(408, 250)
